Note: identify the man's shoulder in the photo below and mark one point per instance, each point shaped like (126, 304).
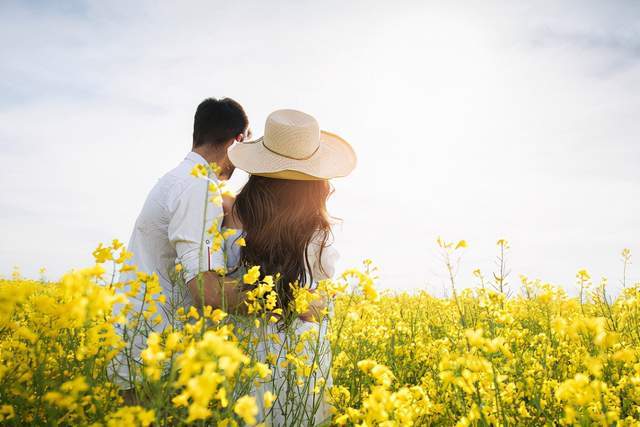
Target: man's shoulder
(180, 183)
(178, 177)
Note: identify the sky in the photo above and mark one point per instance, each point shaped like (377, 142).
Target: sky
(471, 120)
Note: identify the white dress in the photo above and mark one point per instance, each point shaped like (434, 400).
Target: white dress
(296, 409)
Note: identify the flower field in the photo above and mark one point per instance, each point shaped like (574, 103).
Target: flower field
(498, 354)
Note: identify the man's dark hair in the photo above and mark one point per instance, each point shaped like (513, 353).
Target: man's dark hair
(217, 121)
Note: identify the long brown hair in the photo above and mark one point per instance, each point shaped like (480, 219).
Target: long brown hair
(280, 218)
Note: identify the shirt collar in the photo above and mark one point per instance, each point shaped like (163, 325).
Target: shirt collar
(196, 158)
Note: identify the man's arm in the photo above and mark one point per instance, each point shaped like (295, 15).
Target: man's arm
(193, 217)
(211, 289)
(227, 295)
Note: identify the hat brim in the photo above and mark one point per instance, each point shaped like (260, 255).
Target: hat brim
(334, 158)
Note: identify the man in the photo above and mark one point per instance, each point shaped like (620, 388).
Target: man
(174, 219)
(169, 230)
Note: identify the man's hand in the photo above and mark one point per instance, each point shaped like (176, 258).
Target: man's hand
(227, 294)
(314, 312)
(218, 292)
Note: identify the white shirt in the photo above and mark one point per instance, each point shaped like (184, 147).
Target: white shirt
(172, 224)
(171, 228)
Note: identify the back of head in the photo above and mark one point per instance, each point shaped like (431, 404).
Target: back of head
(217, 121)
(280, 218)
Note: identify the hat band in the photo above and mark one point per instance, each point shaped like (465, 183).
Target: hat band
(291, 157)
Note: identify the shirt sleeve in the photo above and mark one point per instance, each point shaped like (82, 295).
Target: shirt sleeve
(323, 262)
(328, 262)
(192, 216)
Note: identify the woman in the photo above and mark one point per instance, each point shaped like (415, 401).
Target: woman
(281, 212)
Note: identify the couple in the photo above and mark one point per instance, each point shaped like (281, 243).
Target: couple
(280, 212)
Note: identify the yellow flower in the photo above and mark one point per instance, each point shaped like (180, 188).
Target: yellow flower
(302, 298)
(199, 171)
(222, 397)
(131, 415)
(626, 355)
(251, 276)
(366, 365)
(124, 256)
(127, 267)
(241, 242)
(146, 417)
(198, 412)
(583, 275)
(269, 398)
(6, 412)
(217, 315)
(173, 341)
(247, 409)
(341, 420)
(75, 386)
(229, 232)
(103, 254)
(215, 168)
(263, 370)
(441, 243)
(193, 313)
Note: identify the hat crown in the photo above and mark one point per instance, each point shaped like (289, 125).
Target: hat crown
(292, 134)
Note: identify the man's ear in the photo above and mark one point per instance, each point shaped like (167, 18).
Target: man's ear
(228, 144)
(239, 137)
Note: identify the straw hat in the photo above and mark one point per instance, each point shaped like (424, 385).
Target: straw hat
(294, 147)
